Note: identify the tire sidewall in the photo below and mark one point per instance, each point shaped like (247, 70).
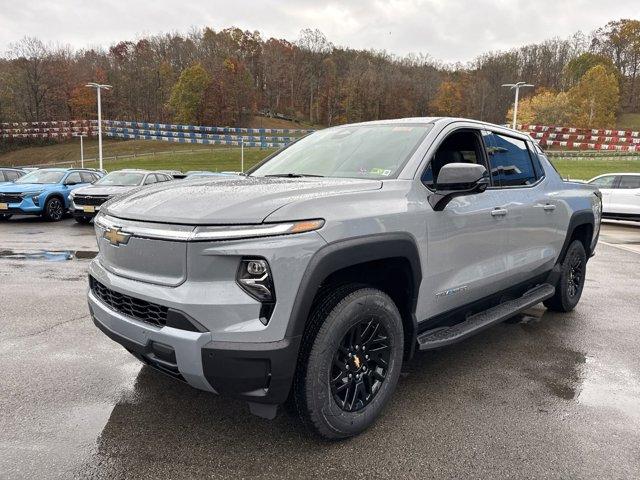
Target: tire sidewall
(576, 248)
(353, 309)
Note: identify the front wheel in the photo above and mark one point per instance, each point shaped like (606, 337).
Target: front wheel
(572, 277)
(4, 216)
(53, 210)
(350, 361)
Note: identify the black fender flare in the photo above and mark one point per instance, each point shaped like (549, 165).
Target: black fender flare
(346, 253)
(582, 217)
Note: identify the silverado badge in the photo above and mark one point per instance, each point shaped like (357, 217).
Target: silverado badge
(116, 237)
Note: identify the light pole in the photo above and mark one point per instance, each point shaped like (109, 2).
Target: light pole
(516, 87)
(99, 87)
(81, 135)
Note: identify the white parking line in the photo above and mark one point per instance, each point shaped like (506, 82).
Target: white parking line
(621, 247)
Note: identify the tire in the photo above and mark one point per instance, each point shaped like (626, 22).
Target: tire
(346, 407)
(53, 209)
(83, 220)
(5, 216)
(572, 277)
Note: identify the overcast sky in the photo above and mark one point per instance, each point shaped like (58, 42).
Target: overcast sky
(448, 30)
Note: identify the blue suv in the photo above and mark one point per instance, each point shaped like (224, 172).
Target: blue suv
(43, 192)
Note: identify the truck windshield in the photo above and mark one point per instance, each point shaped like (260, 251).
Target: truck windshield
(121, 179)
(356, 151)
(42, 176)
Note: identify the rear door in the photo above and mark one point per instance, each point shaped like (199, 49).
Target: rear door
(625, 197)
(535, 234)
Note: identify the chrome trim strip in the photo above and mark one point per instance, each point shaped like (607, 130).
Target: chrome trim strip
(185, 233)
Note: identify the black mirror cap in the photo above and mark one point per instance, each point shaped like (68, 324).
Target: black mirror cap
(458, 179)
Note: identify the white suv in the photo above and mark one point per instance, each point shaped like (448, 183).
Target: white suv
(620, 195)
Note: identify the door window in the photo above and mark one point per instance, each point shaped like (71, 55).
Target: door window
(151, 178)
(629, 181)
(462, 146)
(86, 177)
(604, 182)
(73, 179)
(509, 160)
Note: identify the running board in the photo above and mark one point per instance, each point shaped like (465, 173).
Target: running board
(441, 337)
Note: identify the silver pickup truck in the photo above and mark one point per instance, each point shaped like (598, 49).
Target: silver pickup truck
(312, 278)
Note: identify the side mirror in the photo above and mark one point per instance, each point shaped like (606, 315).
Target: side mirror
(457, 179)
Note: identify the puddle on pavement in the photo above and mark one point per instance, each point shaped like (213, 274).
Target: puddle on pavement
(48, 255)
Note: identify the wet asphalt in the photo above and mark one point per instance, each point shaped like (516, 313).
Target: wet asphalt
(544, 395)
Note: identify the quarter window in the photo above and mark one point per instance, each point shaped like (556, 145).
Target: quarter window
(510, 161)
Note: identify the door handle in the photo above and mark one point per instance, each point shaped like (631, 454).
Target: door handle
(549, 207)
(498, 212)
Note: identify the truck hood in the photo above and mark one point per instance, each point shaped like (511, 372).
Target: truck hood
(100, 190)
(218, 200)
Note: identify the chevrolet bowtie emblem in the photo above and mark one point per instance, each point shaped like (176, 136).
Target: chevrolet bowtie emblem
(116, 237)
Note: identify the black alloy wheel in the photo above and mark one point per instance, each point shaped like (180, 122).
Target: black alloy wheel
(54, 210)
(360, 365)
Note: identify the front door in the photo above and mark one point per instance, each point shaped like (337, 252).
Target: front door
(464, 251)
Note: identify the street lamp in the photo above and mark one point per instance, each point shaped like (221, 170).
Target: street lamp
(81, 135)
(516, 87)
(99, 87)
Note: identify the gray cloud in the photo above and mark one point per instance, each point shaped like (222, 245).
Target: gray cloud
(449, 30)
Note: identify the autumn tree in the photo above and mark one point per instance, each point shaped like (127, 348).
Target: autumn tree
(594, 100)
(545, 107)
(450, 99)
(187, 96)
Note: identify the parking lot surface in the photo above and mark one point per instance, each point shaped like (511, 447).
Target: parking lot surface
(542, 396)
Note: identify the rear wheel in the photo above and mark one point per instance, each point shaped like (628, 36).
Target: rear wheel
(572, 277)
(53, 210)
(350, 363)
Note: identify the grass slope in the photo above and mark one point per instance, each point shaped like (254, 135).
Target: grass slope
(216, 160)
(587, 168)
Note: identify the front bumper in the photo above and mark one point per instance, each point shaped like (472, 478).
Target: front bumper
(86, 211)
(255, 372)
(28, 206)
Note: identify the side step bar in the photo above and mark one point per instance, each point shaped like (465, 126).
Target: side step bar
(441, 337)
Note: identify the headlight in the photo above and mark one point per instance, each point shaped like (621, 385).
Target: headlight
(254, 277)
(32, 194)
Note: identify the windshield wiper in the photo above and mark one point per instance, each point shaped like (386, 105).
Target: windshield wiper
(293, 175)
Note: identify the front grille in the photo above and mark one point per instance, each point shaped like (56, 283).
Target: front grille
(95, 200)
(129, 306)
(10, 197)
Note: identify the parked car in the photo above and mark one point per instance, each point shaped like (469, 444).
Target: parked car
(86, 202)
(10, 175)
(43, 192)
(620, 195)
(316, 275)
